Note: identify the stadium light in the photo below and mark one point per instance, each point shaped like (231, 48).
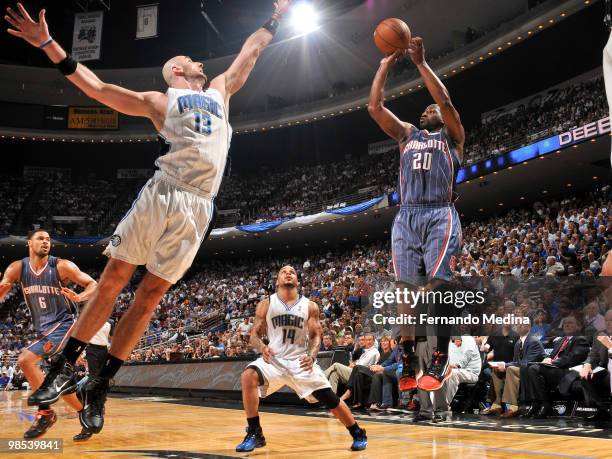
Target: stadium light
(304, 18)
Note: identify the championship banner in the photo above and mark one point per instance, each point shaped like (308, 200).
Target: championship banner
(92, 118)
(146, 21)
(87, 36)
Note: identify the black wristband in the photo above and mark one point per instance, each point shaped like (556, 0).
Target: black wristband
(68, 66)
(272, 25)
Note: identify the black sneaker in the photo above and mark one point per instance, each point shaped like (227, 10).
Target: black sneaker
(43, 422)
(93, 396)
(60, 380)
(437, 372)
(84, 435)
(253, 439)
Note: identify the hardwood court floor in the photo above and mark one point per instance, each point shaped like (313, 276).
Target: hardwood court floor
(147, 427)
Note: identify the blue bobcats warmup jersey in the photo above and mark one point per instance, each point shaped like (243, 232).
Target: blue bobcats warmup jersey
(43, 295)
(428, 168)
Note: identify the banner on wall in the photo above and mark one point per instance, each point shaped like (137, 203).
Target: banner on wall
(87, 36)
(93, 118)
(146, 21)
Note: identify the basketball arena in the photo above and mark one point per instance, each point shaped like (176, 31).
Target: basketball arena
(258, 228)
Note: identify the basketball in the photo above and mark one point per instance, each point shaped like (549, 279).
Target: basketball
(392, 34)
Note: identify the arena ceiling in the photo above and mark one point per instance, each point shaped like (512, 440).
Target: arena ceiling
(341, 53)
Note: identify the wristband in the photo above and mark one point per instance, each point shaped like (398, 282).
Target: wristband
(68, 66)
(46, 43)
(272, 25)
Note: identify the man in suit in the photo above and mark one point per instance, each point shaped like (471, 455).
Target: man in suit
(539, 378)
(506, 375)
(596, 386)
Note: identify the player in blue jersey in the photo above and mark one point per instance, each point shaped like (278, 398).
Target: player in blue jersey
(53, 307)
(426, 234)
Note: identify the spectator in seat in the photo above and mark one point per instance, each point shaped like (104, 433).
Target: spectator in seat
(327, 343)
(385, 379)
(179, 336)
(465, 363)
(506, 374)
(596, 386)
(216, 348)
(341, 373)
(360, 381)
(539, 378)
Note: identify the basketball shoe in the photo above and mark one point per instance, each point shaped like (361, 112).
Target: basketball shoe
(60, 380)
(253, 439)
(360, 440)
(410, 366)
(42, 422)
(93, 393)
(436, 373)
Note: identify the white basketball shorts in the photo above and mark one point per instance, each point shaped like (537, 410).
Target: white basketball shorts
(163, 230)
(283, 372)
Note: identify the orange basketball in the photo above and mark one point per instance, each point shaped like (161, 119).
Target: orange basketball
(392, 34)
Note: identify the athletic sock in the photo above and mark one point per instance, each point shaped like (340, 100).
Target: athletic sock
(354, 429)
(73, 349)
(254, 423)
(111, 367)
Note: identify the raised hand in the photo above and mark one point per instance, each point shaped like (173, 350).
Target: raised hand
(35, 33)
(416, 50)
(391, 59)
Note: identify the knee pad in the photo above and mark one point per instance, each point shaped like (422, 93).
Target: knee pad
(327, 397)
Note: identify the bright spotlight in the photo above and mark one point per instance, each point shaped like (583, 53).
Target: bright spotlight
(304, 18)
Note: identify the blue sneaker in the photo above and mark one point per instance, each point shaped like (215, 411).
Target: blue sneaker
(252, 440)
(360, 441)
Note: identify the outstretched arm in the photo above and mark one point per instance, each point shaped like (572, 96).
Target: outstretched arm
(150, 104)
(230, 82)
(388, 122)
(71, 272)
(11, 275)
(439, 93)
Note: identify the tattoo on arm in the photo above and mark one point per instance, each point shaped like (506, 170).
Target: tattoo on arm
(314, 331)
(259, 327)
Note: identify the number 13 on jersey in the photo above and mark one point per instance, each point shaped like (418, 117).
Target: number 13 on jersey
(203, 123)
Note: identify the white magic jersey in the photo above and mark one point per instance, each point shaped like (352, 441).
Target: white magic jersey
(198, 131)
(287, 330)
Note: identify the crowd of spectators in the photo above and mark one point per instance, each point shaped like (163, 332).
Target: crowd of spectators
(309, 189)
(13, 193)
(556, 238)
(302, 189)
(306, 190)
(209, 314)
(576, 105)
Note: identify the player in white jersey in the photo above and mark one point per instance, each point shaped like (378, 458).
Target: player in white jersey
(171, 216)
(291, 323)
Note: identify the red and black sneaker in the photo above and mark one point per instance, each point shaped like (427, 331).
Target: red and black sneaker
(43, 422)
(408, 378)
(437, 372)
